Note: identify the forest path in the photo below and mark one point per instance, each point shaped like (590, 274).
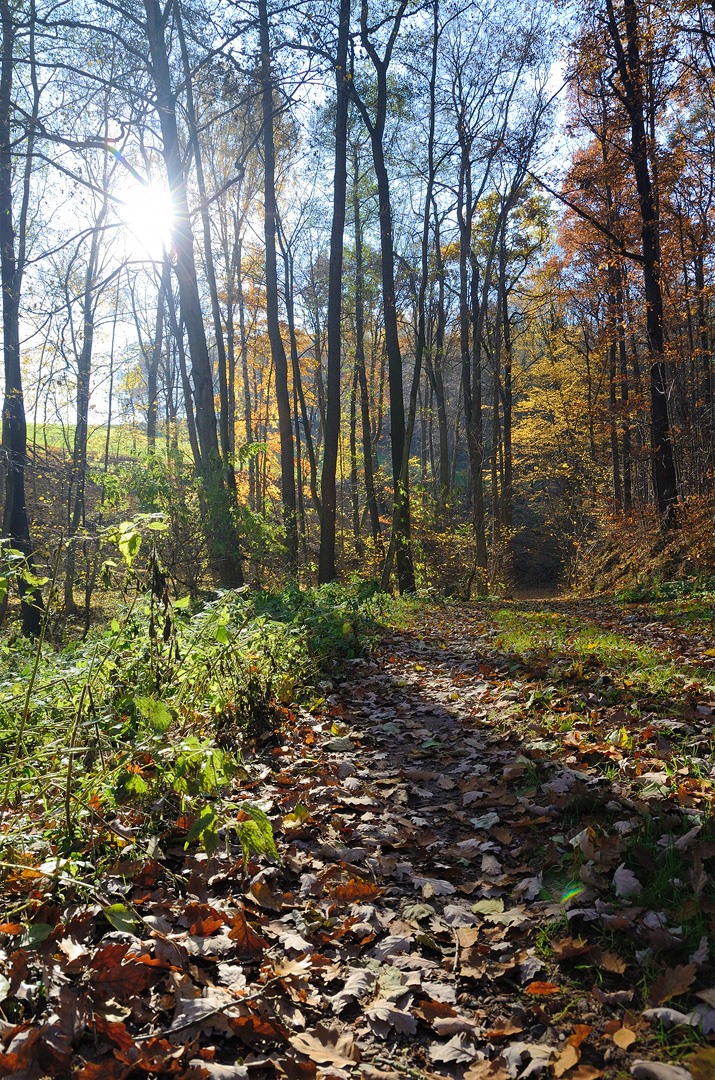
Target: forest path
(496, 846)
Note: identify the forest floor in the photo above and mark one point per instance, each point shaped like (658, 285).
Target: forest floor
(496, 854)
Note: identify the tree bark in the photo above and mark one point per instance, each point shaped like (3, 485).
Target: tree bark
(14, 426)
(370, 496)
(326, 558)
(376, 130)
(226, 418)
(631, 94)
(220, 528)
(278, 353)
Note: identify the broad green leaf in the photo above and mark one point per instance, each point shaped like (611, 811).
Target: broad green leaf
(205, 830)
(121, 918)
(221, 635)
(33, 580)
(132, 784)
(115, 626)
(179, 605)
(34, 935)
(256, 835)
(129, 541)
(154, 712)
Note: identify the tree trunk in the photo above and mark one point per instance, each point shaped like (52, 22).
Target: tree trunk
(14, 427)
(326, 559)
(370, 497)
(153, 362)
(630, 70)
(225, 416)
(78, 478)
(220, 529)
(401, 508)
(278, 355)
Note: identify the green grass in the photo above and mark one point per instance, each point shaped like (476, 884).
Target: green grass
(149, 714)
(578, 649)
(125, 440)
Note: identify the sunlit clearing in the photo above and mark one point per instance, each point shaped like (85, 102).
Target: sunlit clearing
(148, 215)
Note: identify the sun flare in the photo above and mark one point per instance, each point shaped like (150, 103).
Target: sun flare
(148, 215)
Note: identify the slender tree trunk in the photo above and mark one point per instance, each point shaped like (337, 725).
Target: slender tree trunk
(326, 559)
(14, 427)
(615, 457)
(153, 357)
(507, 403)
(280, 363)
(297, 384)
(370, 496)
(706, 394)
(623, 372)
(354, 494)
(438, 363)
(220, 529)
(178, 334)
(252, 462)
(630, 70)
(84, 376)
(401, 503)
(225, 417)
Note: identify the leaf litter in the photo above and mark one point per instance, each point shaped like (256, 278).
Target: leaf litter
(490, 866)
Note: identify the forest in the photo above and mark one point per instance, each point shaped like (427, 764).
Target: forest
(357, 565)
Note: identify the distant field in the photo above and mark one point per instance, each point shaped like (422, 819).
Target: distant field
(125, 440)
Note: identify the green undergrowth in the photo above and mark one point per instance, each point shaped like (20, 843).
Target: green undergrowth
(687, 605)
(147, 721)
(575, 649)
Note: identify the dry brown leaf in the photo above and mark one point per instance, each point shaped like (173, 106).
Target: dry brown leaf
(356, 892)
(579, 1034)
(264, 896)
(473, 965)
(568, 947)
(702, 1063)
(257, 1029)
(608, 961)
(504, 1027)
(327, 1045)
(429, 1010)
(671, 983)
(624, 1037)
(113, 978)
(542, 988)
(453, 1025)
(566, 1060)
(585, 1072)
(618, 997)
(294, 1068)
(487, 1070)
(114, 1033)
(383, 1015)
(248, 943)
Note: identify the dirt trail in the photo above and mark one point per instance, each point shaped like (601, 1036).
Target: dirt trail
(455, 896)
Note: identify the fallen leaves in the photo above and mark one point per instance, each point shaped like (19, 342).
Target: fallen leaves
(455, 863)
(327, 1046)
(672, 982)
(542, 988)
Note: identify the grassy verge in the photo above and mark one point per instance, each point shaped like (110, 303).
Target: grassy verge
(136, 734)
